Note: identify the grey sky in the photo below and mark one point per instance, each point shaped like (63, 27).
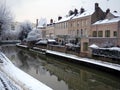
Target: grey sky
(33, 9)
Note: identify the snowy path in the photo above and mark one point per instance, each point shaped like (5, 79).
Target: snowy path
(7, 84)
(18, 76)
(92, 61)
(86, 60)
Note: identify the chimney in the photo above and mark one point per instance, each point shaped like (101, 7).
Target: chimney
(36, 22)
(59, 18)
(82, 10)
(51, 21)
(115, 11)
(96, 6)
(107, 11)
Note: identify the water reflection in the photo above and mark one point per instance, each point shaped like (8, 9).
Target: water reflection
(60, 75)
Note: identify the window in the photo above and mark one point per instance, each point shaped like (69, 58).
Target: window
(115, 33)
(77, 33)
(81, 32)
(66, 25)
(100, 33)
(107, 33)
(86, 22)
(94, 33)
(85, 34)
(71, 24)
(78, 23)
(85, 46)
(82, 23)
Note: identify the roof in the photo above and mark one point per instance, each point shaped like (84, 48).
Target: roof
(65, 19)
(93, 46)
(86, 13)
(106, 21)
(116, 14)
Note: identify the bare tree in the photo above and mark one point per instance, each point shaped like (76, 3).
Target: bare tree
(5, 18)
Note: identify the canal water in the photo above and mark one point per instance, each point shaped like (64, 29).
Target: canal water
(59, 74)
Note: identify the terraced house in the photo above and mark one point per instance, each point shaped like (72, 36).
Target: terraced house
(87, 27)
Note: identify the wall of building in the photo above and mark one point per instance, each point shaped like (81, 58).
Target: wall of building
(102, 40)
(50, 31)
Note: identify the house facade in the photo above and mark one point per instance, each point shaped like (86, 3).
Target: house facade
(49, 31)
(106, 33)
(62, 29)
(87, 28)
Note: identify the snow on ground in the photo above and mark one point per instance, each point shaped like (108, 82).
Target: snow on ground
(93, 46)
(92, 61)
(19, 77)
(7, 84)
(24, 46)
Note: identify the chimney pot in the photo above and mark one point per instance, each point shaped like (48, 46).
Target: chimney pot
(107, 11)
(36, 22)
(59, 18)
(96, 6)
(51, 21)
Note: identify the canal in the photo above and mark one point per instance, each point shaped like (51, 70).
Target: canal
(59, 74)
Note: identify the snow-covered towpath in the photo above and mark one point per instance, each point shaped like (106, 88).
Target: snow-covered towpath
(86, 60)
(12, 78)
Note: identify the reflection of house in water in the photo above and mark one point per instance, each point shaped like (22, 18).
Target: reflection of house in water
(81, 79)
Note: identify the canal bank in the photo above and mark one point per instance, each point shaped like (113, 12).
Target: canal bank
(96, 64)
(60, 74)
(18, 78)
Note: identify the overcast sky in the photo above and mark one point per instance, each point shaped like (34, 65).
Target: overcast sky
(33, 9)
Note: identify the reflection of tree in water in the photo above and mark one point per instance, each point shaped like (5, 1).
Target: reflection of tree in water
(23, 58)
(31, 62)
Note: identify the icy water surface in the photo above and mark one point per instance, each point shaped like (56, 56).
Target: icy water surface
(58, 74)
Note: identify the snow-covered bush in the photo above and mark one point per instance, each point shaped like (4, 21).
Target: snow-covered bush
(34, 35)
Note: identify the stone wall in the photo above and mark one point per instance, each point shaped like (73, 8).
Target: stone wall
(102, 42)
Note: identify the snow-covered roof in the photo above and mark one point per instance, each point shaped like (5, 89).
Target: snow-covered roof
(115, 14)
(114, 48)
(45, 41)
(86, 13)
(105, 21)
(65, 19)
(93, 46)
(51, 40)
(42, 42)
